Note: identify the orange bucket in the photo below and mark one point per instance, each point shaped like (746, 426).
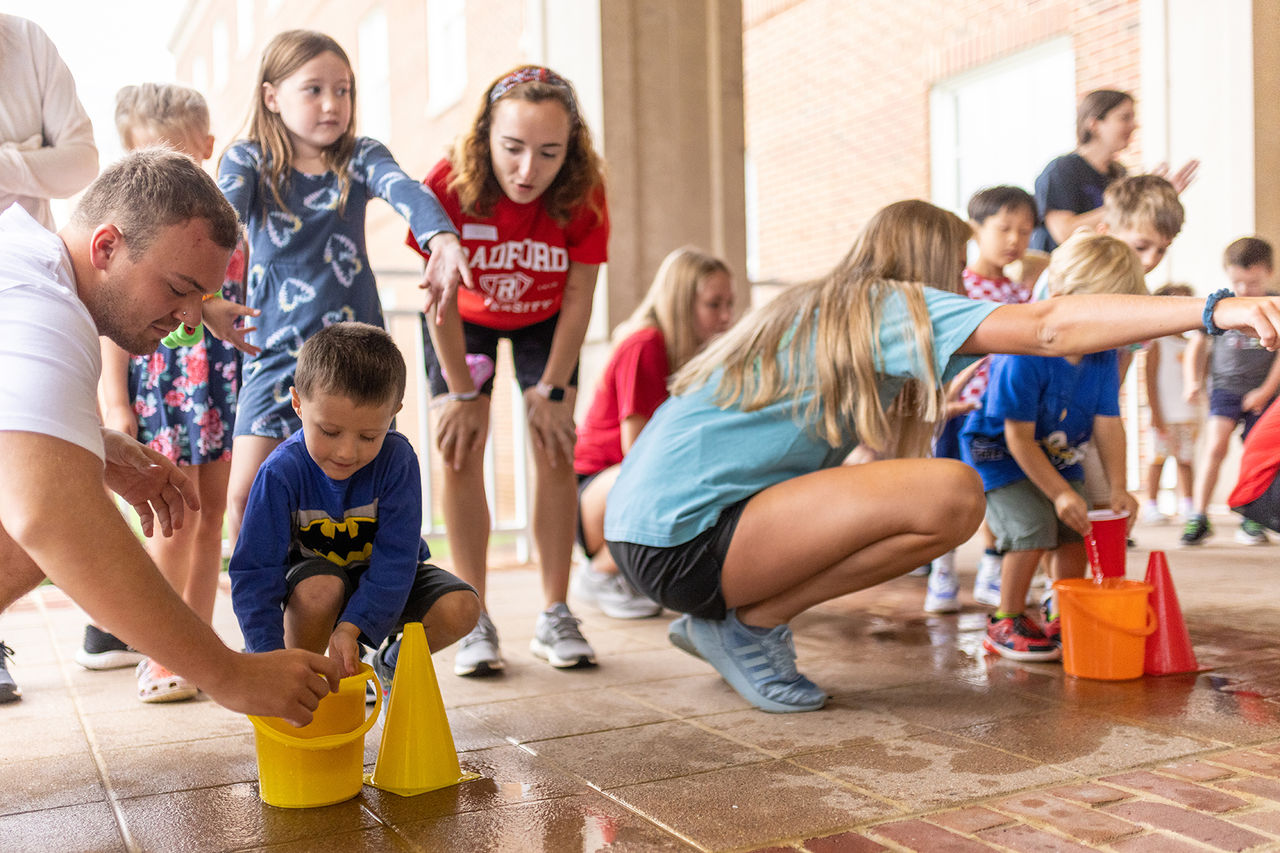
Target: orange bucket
(1105, 626)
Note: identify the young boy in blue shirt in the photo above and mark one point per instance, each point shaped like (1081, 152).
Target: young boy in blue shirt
(1027, 444)
(331, 553)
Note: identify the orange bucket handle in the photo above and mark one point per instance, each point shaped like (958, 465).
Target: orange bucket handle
(1145, 631)
(327, 741)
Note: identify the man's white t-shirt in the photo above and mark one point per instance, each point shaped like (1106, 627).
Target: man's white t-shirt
(49, 357)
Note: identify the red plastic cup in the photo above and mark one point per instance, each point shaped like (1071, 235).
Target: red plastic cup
(1106, 542)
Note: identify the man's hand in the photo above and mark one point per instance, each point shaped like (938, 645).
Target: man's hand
(446, 271)
(288, 683)
(152, 485)
(220, 317)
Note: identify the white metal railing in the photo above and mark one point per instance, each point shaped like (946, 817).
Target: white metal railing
(510, 419)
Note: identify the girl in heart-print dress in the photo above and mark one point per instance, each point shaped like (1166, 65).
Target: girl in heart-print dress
(301, 182)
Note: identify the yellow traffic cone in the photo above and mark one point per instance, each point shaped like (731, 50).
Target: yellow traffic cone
(416, 754)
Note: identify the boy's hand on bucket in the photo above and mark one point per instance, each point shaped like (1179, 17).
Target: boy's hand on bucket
(286, 683)
(344, 647)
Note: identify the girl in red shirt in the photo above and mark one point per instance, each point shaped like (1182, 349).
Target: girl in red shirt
(689, 303)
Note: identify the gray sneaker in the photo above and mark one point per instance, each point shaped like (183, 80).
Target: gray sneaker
(612, 594)
(9, 691)
(558, 641)
(478, 651)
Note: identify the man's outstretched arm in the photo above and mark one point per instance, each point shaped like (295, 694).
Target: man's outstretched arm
(53, 507)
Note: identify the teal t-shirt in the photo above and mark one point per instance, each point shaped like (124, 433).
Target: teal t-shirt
(693, 459)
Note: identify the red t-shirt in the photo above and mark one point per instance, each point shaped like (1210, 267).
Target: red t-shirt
(634, 383)
(519, 256)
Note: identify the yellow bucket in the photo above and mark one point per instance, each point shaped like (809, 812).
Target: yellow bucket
(1105, 626)
(321, 763)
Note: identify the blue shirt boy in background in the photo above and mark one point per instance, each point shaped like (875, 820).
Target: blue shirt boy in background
(331, 553)
(1027, 442)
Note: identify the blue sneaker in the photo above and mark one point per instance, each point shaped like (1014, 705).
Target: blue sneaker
(678, 634)
(761, 668)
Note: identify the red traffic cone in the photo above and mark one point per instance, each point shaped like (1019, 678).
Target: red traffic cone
(1169, 647)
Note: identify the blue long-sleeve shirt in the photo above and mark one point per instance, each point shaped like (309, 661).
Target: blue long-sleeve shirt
(296, 512)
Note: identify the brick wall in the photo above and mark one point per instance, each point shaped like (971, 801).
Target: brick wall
(837, 101)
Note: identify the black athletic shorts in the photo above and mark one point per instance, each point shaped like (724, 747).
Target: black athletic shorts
(684, 578)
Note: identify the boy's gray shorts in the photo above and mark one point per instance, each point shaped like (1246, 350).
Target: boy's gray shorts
(1022, 518)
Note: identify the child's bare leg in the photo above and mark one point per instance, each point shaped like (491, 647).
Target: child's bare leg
(312, 612)
(450, 618)
(1068, 561)
(206, 551)
(466, 519)
(822, 535)
(1154, 471)
(1016, 571)
(247, 456)
(172, 554)
(1186, 480)
(1215, 450)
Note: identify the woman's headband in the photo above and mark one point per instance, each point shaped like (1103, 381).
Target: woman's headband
(528, 74)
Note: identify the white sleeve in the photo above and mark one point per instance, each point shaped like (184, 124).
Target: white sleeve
(61, 159)
(50, 363)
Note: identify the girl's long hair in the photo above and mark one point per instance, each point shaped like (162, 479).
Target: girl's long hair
(766, 357)
(581, 176)
(284, 55)
(669, 305)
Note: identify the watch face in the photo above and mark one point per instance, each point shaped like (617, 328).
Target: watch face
(556, 394)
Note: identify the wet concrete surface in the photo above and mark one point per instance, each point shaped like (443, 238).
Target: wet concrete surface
(926, 744)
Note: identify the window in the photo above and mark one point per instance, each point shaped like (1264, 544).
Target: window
(446, 54)
(373, 77)
(1001, 123)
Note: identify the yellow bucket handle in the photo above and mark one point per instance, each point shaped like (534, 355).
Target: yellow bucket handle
(327, 741)
(1145, 631)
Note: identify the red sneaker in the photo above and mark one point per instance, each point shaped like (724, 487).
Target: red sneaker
(1052, 624)
(1018, 638)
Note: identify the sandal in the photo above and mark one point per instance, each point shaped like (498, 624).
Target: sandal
(157, 684)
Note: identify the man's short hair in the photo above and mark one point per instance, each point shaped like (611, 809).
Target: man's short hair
(990, 201)
(146, 191)
(1143, 201)
(353, 360)
(1248, 252)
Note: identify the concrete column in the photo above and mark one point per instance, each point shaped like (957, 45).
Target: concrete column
(1266, 120)
(673, 138)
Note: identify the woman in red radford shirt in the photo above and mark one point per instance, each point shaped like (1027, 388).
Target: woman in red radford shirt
(525, 188)
(689, 303)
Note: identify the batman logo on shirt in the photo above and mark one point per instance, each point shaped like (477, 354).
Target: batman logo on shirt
(340, 542)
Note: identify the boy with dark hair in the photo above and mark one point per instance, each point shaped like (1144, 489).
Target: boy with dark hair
(1002, 218)
(1243, 379)
(331, 553)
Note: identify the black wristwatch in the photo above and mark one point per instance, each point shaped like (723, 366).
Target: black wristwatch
(554, 393)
